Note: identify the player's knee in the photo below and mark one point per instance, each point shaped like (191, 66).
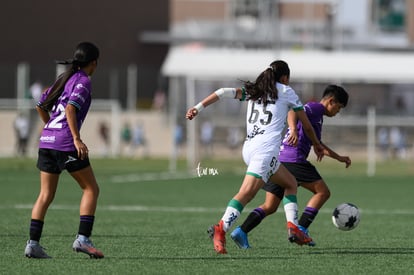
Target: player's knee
(97, 190)
(270, 210)
(92, 189)
(46, 198)
(326, 194)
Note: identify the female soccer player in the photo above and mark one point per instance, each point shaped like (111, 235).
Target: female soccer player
(293, 155)
(269, 100)
(63, 108)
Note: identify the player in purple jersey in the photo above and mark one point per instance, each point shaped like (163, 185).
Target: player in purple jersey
(63, 108)
(293, 155)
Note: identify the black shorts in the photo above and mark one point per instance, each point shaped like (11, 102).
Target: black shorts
(54, 161)
(303, 172)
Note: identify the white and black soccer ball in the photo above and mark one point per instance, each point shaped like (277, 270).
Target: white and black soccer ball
(346, 216)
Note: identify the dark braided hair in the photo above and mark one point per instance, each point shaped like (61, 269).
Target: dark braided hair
(85, 53)
(264, 87)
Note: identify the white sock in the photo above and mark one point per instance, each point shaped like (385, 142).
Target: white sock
(291, 212)
(229, 218)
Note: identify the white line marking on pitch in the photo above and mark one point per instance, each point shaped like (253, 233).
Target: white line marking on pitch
(188, 209)
(151, 177)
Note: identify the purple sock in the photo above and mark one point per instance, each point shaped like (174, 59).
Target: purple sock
(255, 217)
(308, 216)
(36, 228)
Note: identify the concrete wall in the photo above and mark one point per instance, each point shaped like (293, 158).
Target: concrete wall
(157, 132)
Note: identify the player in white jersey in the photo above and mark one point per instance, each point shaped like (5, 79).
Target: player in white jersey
(265, 124)
(269, 100)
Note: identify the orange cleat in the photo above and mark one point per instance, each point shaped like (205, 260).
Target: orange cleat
(218, 235)
(297, 236)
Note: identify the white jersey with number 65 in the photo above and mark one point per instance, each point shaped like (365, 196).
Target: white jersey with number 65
(265, 124)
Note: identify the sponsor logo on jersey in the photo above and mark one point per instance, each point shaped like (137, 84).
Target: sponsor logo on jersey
(48, 139)
(78, 95)
(256, 131)
(79, 86)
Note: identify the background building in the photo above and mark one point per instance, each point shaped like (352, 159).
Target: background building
(157, 59)
(40, 32)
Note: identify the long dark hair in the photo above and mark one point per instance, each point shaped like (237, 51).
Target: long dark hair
(85, 53)
(264, 87)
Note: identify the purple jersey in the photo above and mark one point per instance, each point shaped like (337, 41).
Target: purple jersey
(299, 153)
(56, 133)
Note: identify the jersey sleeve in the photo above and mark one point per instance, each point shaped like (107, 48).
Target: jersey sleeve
(43, 97)
(79, 95)
(294, 101)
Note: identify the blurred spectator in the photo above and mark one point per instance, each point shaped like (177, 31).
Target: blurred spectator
(36, 90)
(158, 102)
(104, 135)
(179, 135)
(139, 140)
(126, 137)
(383, 141)
(234, 138)
(178, 138)
(207, 134)
(21, 127)
(397, 142)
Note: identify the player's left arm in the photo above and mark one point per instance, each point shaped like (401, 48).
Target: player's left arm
(81, 147)
(331, 153)
(75, 103)
(310, 132)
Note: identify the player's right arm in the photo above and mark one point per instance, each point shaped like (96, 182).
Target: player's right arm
(44, 115)
(293, 130)
(235, 93)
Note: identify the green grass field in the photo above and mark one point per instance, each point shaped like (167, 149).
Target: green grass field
(149, 222)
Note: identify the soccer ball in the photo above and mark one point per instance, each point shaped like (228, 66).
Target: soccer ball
(346, 216)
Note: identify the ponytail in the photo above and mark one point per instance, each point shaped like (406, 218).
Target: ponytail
(85, 53)
(264, 88)
(57, 89)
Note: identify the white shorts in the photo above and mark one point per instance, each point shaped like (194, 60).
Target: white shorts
(261, 164)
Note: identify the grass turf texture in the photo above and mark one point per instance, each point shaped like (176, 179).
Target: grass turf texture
(158, 226)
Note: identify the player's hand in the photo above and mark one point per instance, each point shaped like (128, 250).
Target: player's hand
(191, 113)
(345, 159)
(81, 148)
(292, 138)
(319, 151)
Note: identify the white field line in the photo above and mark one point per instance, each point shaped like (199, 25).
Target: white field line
(144, 208)
(151, 177)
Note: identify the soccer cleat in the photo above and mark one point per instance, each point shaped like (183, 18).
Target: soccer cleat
(306, 232)
(296, 235)
(34, 250)
(240, 238)
(217, 234)
(84, 244)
